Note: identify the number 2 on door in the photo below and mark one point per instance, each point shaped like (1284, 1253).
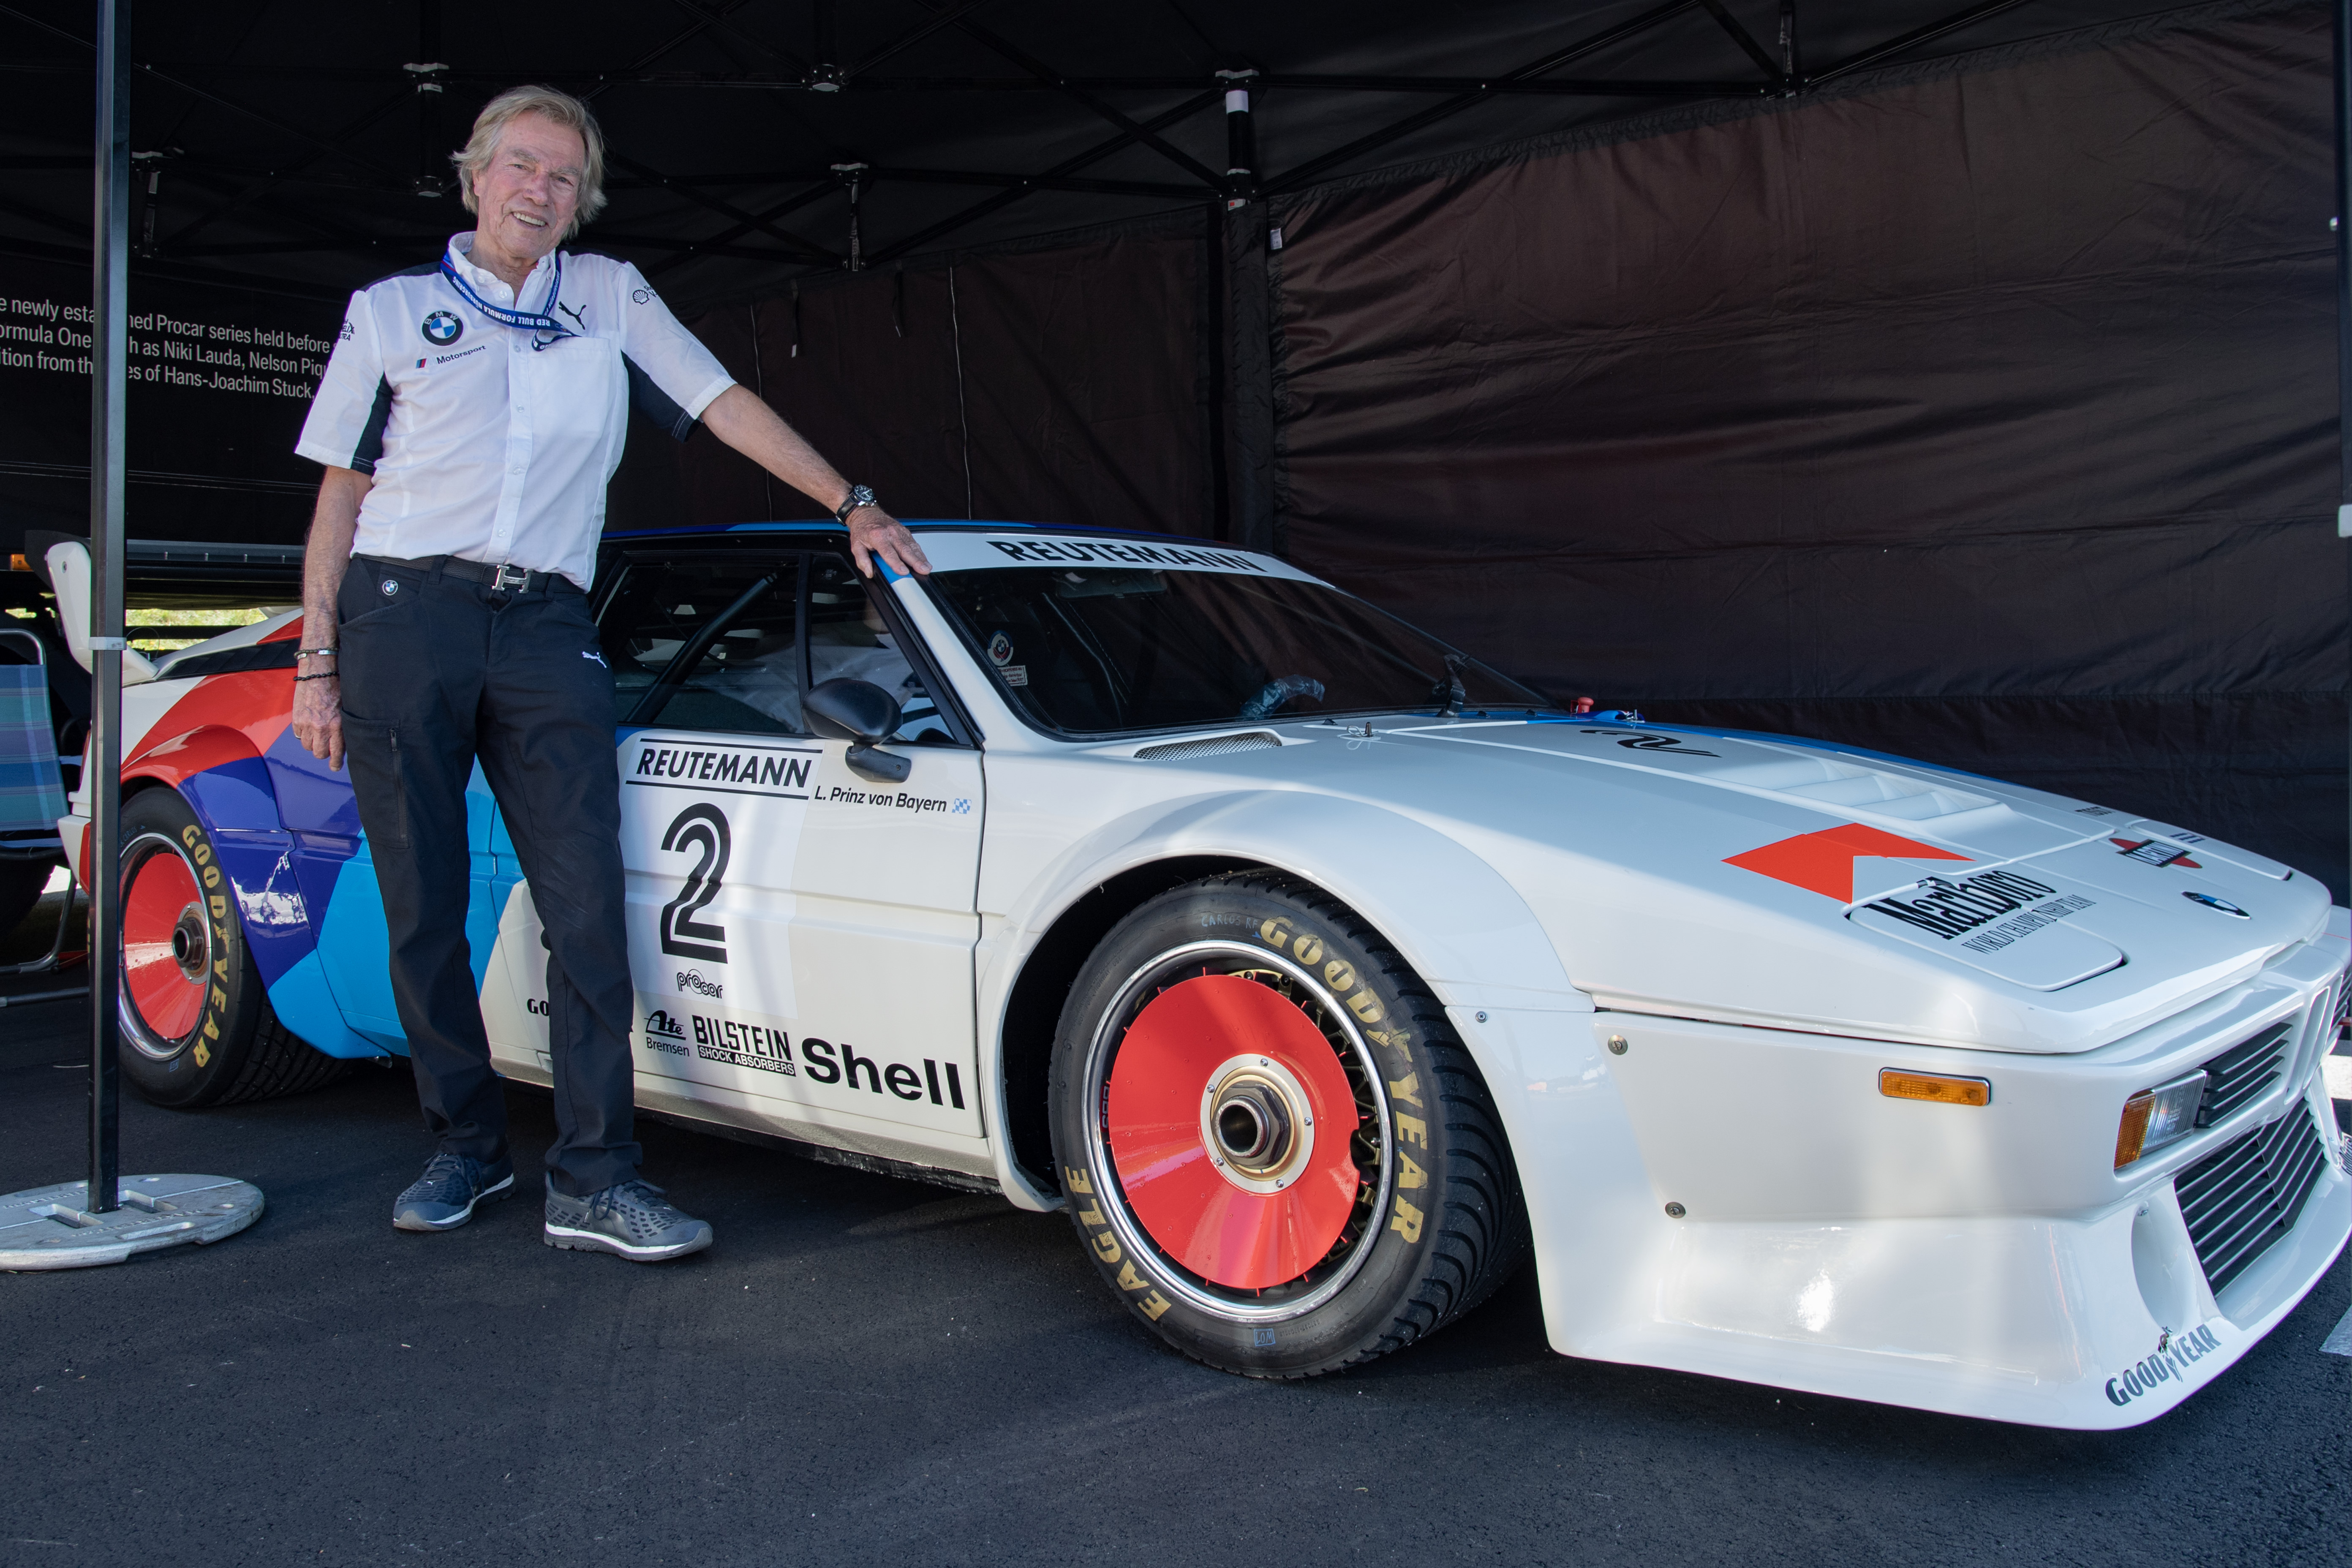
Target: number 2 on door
(700, 830)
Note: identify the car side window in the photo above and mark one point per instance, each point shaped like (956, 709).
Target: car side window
(708, 642)
(849, 639)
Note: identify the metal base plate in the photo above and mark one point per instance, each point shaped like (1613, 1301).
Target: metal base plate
(52, 1228)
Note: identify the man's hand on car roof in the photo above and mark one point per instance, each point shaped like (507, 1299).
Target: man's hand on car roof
(873, 532)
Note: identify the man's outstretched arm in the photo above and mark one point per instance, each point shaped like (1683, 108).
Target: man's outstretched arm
(739, 418)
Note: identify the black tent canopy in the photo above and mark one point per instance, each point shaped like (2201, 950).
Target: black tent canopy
(291, 145)
(1954, 381)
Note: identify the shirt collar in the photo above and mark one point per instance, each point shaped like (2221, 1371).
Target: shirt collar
(489, 284)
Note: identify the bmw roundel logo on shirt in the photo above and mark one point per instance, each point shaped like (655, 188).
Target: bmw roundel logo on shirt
(443, 328)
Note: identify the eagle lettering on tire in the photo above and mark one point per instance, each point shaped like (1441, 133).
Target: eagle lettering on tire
(1273, 1147)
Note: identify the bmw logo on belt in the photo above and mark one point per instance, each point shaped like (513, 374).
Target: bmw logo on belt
(2210, 903)
(443, 328)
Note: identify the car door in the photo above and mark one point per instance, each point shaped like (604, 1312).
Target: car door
(715, 779)
(800, 941)
(886, 884)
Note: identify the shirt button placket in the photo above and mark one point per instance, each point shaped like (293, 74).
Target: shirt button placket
(510, 497)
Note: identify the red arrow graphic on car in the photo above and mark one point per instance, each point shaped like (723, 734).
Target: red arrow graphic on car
(1824, 862)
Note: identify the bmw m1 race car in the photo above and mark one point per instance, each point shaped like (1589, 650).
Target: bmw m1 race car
(1322, 974)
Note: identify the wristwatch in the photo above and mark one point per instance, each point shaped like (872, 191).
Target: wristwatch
(859, 494)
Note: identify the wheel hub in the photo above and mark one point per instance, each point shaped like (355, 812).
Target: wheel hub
(1256, 1123)
(188, 941)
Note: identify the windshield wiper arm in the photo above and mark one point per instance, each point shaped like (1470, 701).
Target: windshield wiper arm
(1451, 694)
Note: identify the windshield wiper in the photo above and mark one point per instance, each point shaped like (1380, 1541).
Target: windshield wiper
(1450, 692)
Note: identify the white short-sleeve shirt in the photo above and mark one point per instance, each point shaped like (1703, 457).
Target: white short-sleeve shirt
(481, 445)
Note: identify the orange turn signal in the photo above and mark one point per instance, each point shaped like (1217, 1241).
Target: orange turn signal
(18, 563)
(2131, 1133)
(1896, 1084)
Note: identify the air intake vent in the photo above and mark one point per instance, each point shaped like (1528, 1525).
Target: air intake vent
(2239, 1201)
(1209, 746)
(2234, 1078)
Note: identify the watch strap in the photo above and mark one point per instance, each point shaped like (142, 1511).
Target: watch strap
(859, 496)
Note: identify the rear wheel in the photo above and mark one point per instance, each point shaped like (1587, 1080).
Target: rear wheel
(1279, 1154)
(197, 1027)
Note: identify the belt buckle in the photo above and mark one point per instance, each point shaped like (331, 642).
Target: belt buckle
(500, 582)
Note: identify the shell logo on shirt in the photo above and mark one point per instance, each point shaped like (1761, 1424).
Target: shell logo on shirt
(442, 327)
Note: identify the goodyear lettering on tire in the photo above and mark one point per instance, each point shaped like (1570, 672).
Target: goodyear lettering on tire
(1405, 1220)
(1147, 1299)
(216, 905)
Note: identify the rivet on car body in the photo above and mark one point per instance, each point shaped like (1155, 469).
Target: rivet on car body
(1482, 1017)
(1676, 1211)
(1616, 1044)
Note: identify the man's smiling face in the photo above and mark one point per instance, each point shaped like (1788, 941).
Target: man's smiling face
(525, 199)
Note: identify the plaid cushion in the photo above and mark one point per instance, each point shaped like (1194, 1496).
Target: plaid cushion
(32, 791)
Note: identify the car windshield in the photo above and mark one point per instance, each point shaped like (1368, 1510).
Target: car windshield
(1089, 650)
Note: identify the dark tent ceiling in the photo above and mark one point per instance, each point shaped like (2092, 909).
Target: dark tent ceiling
(305, 147)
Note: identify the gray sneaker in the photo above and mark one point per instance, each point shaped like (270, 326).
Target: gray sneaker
(631, 1219)
(443, 1198)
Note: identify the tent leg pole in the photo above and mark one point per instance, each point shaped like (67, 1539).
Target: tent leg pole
(110, 276)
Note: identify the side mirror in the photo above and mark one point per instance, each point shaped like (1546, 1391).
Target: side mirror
(858, 711)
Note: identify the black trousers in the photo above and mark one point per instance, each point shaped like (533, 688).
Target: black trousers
(437, 674)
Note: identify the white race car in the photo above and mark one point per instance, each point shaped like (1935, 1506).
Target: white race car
(1321, 972)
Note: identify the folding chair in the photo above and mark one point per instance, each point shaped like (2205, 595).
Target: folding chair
(32, 790)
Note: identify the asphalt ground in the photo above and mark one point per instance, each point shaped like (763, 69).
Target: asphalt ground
(867, 1370)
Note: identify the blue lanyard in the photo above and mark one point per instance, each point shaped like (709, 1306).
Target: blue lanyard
(545, 329)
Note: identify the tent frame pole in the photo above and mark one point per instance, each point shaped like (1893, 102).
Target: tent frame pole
(2342, 10)
(111, 312)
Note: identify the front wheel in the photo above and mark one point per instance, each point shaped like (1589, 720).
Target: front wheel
(197, 1028)
(1276, 1149)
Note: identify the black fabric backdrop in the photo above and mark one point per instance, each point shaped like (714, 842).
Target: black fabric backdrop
(1988, 419)
(1070, 383)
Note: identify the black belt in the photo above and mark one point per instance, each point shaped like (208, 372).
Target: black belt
(503, 580)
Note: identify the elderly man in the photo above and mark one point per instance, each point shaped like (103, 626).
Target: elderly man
(469, 419)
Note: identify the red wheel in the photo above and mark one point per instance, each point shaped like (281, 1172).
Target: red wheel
(1240, 1119)
(167, 946)
(1220, 1091)
(197, 1028)
(1275, 1151)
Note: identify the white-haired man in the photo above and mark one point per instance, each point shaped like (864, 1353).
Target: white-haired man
(469, 419)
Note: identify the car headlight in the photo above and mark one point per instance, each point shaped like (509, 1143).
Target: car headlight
(2155, 1117)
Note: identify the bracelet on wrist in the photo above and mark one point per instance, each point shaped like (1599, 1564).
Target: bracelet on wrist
(322, 675)
(316, 652)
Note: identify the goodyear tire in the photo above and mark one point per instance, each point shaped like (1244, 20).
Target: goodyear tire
(197, 1028)
(1274, 1148)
